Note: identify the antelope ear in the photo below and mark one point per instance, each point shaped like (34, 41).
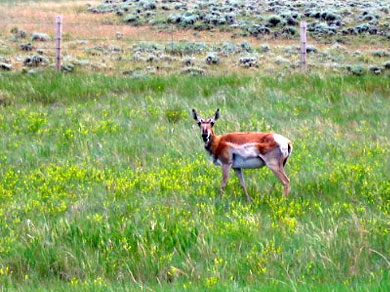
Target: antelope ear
(215, 117)
(195, 115)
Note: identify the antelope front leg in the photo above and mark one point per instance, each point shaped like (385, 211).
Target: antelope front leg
(242, 183)
(225, 176)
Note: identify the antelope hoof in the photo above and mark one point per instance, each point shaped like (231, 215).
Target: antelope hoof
(286, 190)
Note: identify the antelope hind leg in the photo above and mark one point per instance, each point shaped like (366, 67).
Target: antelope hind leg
(278, 170)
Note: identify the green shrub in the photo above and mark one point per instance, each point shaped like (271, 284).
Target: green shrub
(229, 48)
(5, 66)
(380, 53)
(273, 20)
(321, 28)
(212, 59)
(192, 70)
(357, 70)
(38, 36)
(264, 48)
(248, 62)
(35, 61)
(376, 70)
(174, 115)
(130, 18)
(246, 47)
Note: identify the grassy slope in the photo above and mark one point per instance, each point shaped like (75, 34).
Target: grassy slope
(104, 185)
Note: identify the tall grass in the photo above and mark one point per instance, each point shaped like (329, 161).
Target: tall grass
(105, 185)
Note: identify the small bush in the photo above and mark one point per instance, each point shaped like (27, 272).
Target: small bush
(67, 67)
(292, 49)
(229, 48)
(43, 37)
(321, 28)
(188, 61)
(362, 28)
(380, 53)
(188, 20)
(148, 4)
(5, 66)
(230, 17)
(349, 31)
(174, 18)
(146, 47)
(281, 61)
(174, 48)
(14, 29)
(264, 48)
(194, 48)
(114, 49)
(290, 30)
(329, 16)
(273, 20)
(34, 61)
(175, 115)
(26, 47)
(212, 59)
(376, 70)
(311, 49)
(357, 70)
(246, 47)
(193, 71)
(18, 33)
(139, 75)
(130, 18)
(152, 59)
(248, 62)
(258, 29)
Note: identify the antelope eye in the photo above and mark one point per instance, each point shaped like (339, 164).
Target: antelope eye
(199, 124)
(212, 123)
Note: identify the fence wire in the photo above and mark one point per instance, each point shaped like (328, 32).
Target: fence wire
(66, 40)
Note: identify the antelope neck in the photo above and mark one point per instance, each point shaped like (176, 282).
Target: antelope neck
(209, 142)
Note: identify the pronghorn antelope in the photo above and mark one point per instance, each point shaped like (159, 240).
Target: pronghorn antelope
(245, 150)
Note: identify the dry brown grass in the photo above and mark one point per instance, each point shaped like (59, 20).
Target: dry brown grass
(79, 24)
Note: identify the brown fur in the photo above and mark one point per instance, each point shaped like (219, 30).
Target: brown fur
(220, 144)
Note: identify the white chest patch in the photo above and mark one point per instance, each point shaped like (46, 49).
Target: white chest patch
(283, 143)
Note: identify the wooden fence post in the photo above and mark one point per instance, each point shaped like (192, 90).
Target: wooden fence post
(303, 46)
(172, 39)
(58, 39)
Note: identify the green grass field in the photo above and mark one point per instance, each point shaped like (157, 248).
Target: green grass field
(105, 185)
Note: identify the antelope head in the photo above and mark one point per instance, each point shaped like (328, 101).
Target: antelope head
(206, 126)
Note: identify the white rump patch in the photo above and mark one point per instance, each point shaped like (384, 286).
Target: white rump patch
(283, 144)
